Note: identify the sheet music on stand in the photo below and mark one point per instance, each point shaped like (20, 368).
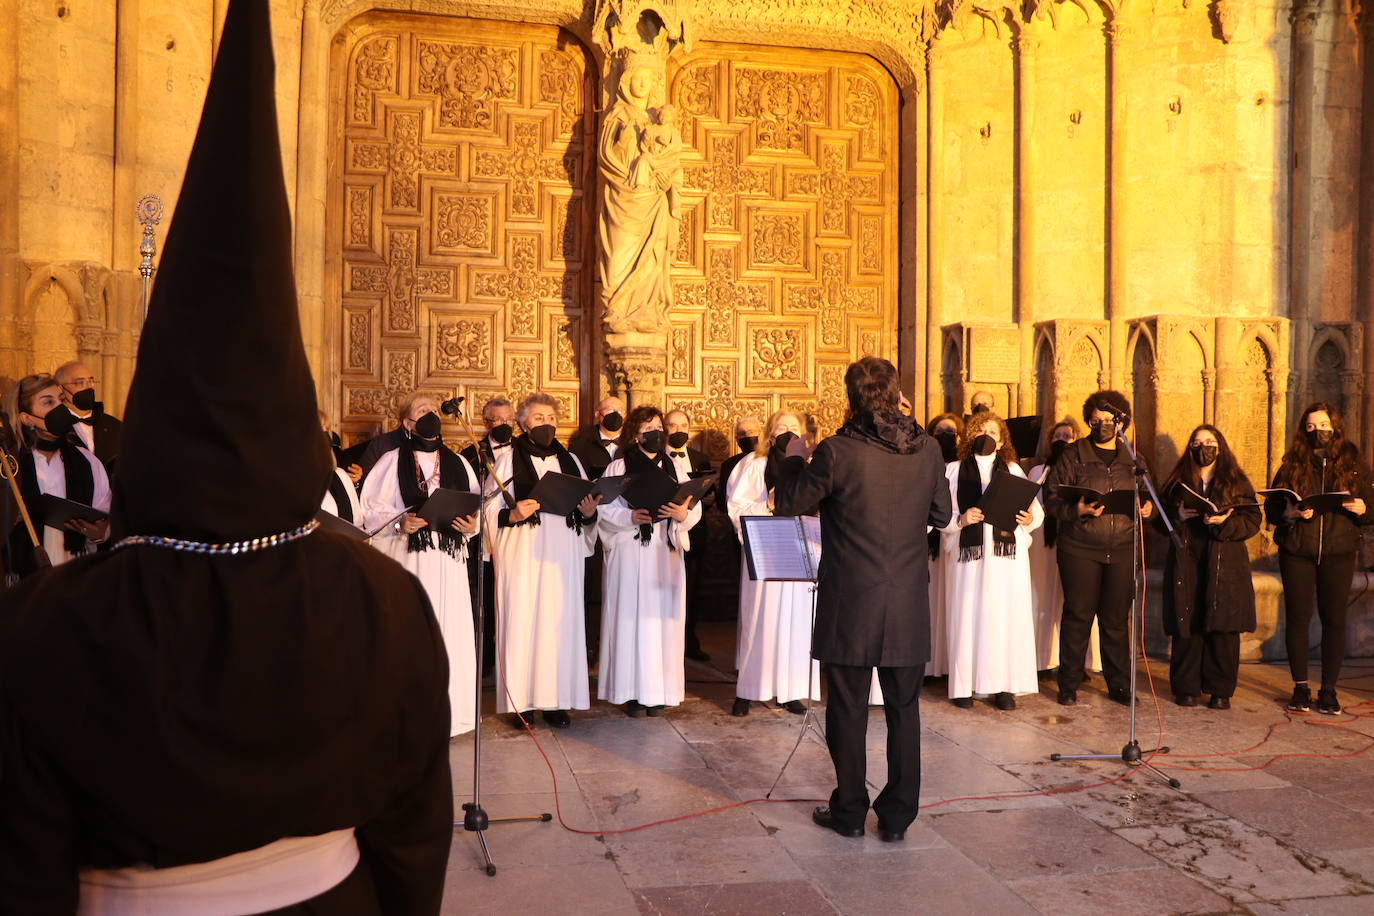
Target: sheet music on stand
(782, 549)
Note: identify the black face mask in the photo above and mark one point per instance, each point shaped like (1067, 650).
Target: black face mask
(652, 441)
(1104, 432)
(1204, 455)
(612, 421)
(747, 443)
(983, 445)
(780, 443)
(1056, 449)
(429, 426)
(500, 434)
(59, 421)
(1317, 438)
(543, 436)
(84, 399)
(949, 445)
(678, 439)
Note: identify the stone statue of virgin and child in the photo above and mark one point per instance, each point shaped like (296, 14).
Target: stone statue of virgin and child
(640, 155)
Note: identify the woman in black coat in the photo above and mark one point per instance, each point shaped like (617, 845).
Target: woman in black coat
(1209, 599)
(1318, 549)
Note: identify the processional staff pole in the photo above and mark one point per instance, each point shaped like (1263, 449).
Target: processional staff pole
(149, 212)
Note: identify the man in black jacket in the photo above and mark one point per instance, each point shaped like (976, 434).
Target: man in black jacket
(99, 431)
(878, 483)
(693, 462)
(1095, 549)
(595, 445)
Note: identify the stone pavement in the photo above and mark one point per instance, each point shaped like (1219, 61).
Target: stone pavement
(1295, 836)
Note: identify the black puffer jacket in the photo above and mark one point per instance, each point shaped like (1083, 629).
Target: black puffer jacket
(1107, 536)
(1326, 534)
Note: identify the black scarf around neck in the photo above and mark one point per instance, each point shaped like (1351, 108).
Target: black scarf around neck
(339, 490)
(80, 487)
(970, 491)
(524, 477)
(636, 462)
(452, 476)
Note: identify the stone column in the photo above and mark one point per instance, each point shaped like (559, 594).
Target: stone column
(312, 154)
(911, 293)
(1209, 407)
(117, 368)
(1118, 250)
(11, 270)
(1301, 146)
(1364, 256)
(1024, 44)
(935, 242)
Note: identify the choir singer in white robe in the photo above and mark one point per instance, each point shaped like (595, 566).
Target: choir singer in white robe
(988, 588)
(773, 652)
(644, 604)
(541, 637)
(401, 479)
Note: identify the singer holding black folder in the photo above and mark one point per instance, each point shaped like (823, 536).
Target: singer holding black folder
(1095, 549)
(403, 478)
(1209, 599)
(53, 462)
(877, 483)
(1318, 550)
(644, 608)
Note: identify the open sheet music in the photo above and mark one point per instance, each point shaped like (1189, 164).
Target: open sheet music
(782, 548)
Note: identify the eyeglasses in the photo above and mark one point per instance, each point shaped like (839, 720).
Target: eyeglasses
(87, 382)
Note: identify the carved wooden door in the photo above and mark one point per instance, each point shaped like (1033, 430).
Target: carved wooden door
(786, 268)
(459, 233)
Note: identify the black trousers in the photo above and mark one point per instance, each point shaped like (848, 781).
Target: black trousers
(1330, 581)
(1204, 663)
(692, 564)
(846, 725)
(592, 587)
(1093, 588)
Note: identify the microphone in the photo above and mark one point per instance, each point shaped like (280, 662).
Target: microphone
(1112, 409)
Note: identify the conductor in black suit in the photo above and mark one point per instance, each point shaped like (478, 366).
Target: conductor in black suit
(878, 482)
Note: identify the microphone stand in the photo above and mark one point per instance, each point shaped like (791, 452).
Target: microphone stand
(1131, 754)
(475, 819)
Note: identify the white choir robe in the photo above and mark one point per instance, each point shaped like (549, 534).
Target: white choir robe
(643, 605)
(988, 605)
(52, 479)
(1047, 595)
(938, 666)
(541, 637)
(773, 651)
(444, 577)
(354, 505)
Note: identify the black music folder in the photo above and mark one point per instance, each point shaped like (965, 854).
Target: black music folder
(782, 548)
(1200, 504)
(653, 488)
(609, 488)
(1117, 502)
(444, 505)
(1005, 496)
(1321, 502)
(56, 511)
(559, 494)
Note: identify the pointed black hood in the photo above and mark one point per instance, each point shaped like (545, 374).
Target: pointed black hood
(221, 438)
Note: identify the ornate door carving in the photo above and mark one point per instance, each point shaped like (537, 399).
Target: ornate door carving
(787, 260)
(459, 234)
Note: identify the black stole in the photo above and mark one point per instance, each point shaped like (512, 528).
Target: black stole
(337, 489)
(970, 490)
(636, 462)
(80, 488)
(524, 477)
(452, 476)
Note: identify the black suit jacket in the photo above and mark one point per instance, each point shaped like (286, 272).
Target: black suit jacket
(108, 431)
(586, 445)
(875, 499)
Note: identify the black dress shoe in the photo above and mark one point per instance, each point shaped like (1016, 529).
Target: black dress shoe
(634, 709)
(823, 818)
(890, 836)
(1119, 695)
(1067, 697)
(557, 718)
(654, 711)
(796, 707)
(1185, 699)
(741, 707)
(1327, 704)
(697, 655)
(963, 702)
(1004, 700)
(512, 720)
(1219, 703)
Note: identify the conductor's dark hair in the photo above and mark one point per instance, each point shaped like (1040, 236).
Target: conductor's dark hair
(872, 386)
(635, 422)
(1107, 399)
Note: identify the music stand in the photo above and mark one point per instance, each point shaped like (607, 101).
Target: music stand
(787, 549)
(1131, 754)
